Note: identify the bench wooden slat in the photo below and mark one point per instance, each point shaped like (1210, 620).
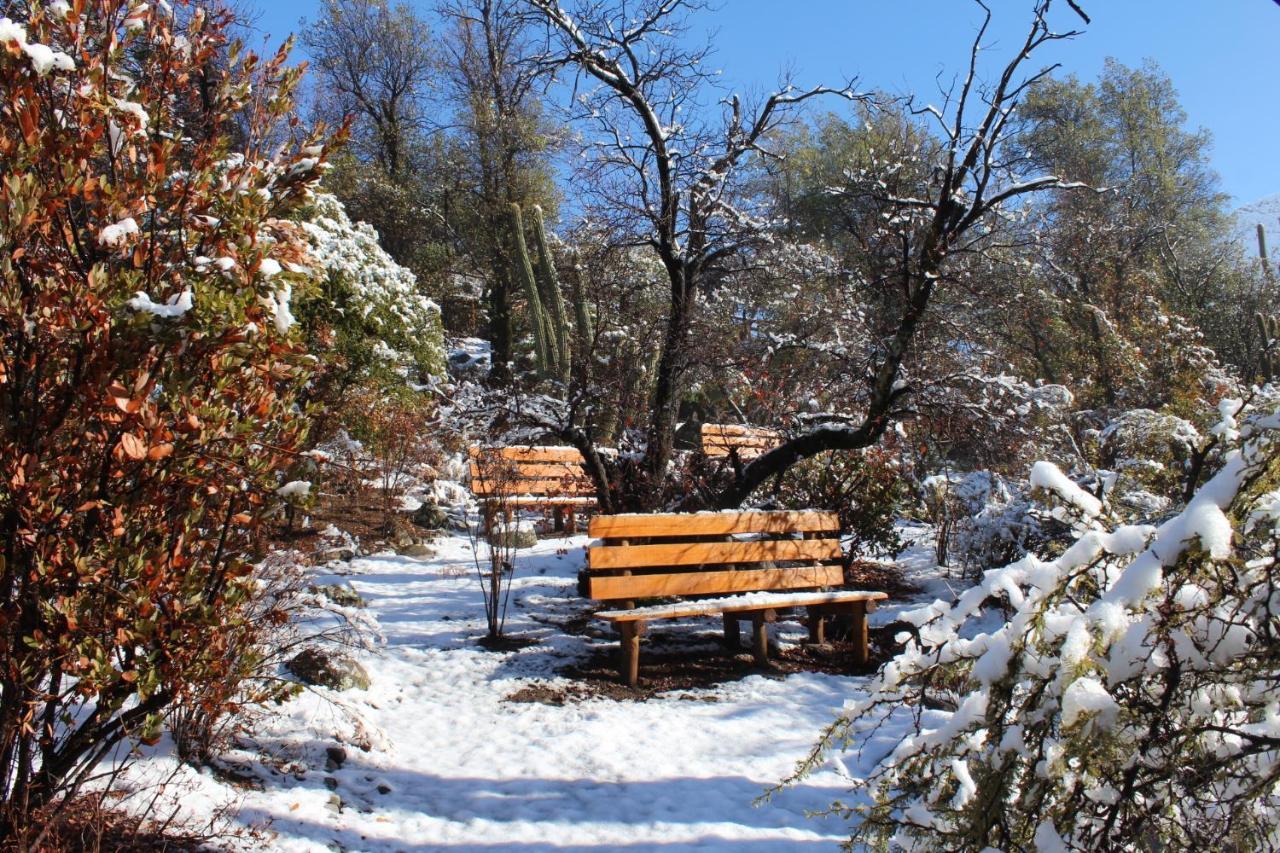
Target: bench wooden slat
(711, 524)
(711, 583)
(536, 470)
(737, 430)
(529, 453)
(550, 500)
(702, 553)
(530, 487)
(723, 439)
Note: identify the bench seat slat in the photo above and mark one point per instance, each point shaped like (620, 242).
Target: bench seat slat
(529, 454)
(738, 430)
(548, 500)
(703, 553)
(606, 588)
(520, 486)
(711, 524)
(537, 470)
(738, 604)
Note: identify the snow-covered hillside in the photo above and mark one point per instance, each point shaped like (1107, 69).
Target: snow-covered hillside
(1264, 211)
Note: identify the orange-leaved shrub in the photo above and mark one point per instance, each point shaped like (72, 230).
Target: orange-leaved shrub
(147, 376)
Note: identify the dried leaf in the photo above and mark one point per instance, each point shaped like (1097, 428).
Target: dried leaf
(134, 447)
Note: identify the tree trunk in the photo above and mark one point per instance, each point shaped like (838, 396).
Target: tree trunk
(665, 404)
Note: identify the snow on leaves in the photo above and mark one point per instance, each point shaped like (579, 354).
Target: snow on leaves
(1128, 693)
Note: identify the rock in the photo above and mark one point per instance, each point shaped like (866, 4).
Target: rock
(416, 549)
(514, 536)
(331, 783)
(430, 516)
(384, 789)
(340, 594)
(328, 669)
(335, 757)
(334, 555)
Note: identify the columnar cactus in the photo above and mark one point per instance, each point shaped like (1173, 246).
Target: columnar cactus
(523, 272)
(1262, 255)
(552, 301)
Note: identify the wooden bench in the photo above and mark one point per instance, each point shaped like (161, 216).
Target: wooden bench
(748, 566)
(744, 441)
(509, 478)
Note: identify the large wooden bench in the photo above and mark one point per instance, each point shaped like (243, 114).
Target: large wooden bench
(743, 566)
(745, 442)
(510, 478)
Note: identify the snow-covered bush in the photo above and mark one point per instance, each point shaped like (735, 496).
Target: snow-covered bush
(1144, 458)
(981, 519)
(368, 310)
(1130, 699)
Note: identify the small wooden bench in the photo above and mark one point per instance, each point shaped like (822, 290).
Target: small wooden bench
(745, 441)
(748, 566)
(509, 478)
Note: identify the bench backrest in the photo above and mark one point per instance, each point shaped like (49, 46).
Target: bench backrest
(722, 439)
(715, 553)
(540, 471)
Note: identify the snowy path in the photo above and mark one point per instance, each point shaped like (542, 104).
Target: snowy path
(453, 766)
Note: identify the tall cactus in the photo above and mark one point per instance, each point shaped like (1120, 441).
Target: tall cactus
(1262, 255)
(1269, 328)
(553, 301)
(523, 272)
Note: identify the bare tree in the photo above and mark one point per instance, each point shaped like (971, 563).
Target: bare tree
(497, 93)
(374, 62)
(664, 179)
(976, 183)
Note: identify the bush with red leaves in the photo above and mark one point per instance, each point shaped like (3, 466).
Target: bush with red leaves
(147, 371)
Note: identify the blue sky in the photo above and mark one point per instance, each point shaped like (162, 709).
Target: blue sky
(1222, 55)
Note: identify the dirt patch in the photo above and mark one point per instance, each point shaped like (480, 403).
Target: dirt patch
(547, 694)
(882, 577)
(505, 643)
(363, 515)
(675, 664)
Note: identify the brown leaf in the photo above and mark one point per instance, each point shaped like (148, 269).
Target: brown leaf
(134, 447)
(160, 451)
(122, 399)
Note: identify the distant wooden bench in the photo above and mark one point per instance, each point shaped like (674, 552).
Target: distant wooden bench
(510, 478)
(746, 441)
(753, 564)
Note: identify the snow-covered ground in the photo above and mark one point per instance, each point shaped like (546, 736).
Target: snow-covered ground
(448, 763)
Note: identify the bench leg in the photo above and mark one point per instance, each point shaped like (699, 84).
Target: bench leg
(817, 623)
(630, 669)
(861, 643)
(558, 523)
(732, 635)
(759, 638)
(488, 510)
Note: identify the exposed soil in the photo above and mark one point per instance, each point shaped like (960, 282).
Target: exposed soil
(506, 643)
(885, 577)
(670, 664)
